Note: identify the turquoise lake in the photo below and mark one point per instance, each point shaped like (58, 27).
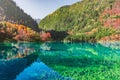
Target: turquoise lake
(59, 61)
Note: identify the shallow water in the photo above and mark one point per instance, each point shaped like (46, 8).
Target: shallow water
(59, 61)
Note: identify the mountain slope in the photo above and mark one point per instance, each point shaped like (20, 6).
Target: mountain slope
(79, 14)
(81, 20)
(10, 12)
(17, 32)
(15, 25)
(38, 20)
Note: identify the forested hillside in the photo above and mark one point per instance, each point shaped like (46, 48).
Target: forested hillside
(15, 25)
(10, 12)
(17, 32)
(84, 21)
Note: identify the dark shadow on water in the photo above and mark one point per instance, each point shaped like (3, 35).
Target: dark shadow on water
(10, 68)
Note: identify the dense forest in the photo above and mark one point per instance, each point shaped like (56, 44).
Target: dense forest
(15, 24)
(17, 32)
(10, 12)
(85, 20)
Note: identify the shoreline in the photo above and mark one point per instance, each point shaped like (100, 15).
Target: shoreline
(112, 44)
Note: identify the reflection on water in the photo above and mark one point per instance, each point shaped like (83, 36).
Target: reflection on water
(74, 60)
(77, 49)
(39, 71)
(16, 50)
(82, 61)
(10, 68)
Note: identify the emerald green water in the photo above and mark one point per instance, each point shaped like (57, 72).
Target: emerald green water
(78, 61)
(83, 61)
